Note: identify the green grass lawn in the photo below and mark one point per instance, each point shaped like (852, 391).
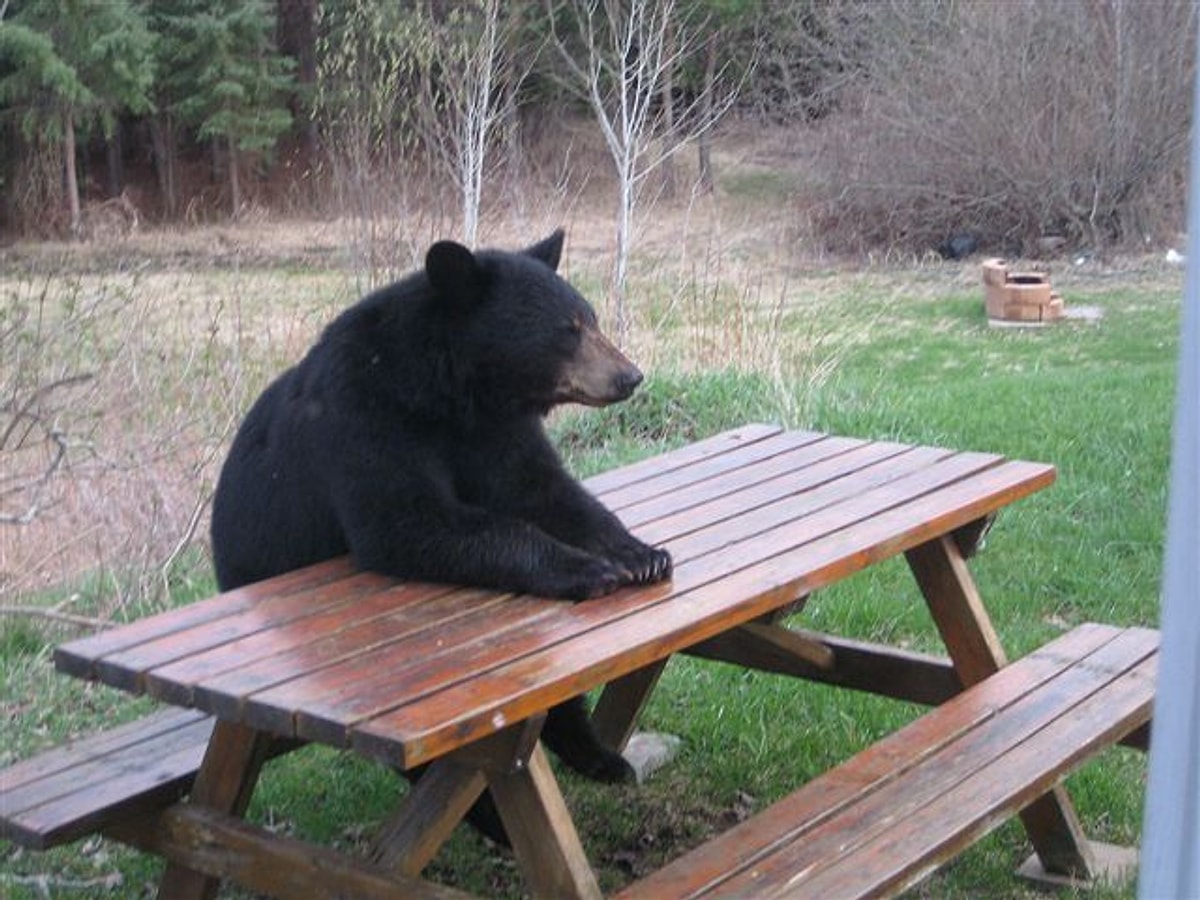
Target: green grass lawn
(906, 355)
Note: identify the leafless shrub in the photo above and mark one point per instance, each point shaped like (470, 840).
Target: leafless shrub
(368, 66)
(113, 412)
(1010, 120)
(37, 201)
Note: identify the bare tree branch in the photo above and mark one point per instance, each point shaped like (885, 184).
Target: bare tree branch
(630, 50)
(55, 615)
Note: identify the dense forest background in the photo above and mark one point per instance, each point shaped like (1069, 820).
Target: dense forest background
(1014, 123)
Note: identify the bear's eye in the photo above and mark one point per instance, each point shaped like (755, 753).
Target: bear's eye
(575, 326)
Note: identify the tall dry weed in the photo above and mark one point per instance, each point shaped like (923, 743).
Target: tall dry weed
(118, 395)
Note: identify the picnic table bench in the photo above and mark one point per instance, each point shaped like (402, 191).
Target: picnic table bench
(459, 679)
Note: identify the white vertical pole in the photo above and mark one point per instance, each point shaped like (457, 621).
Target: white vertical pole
(1170, 862)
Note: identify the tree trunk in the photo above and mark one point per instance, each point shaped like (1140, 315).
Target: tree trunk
(297, 32)
(72, 180)
(510, 116)
(116, 165)
(162, 134)
(669, 137)
(703, 146)
(621, 262)
(235, 186)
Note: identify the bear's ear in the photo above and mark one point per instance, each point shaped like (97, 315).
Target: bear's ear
(455, 274)
(549, 250)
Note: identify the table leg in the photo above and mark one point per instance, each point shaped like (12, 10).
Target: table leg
(621, 702)
(966, 629)
(423, 822)
(543, 835)
(623, 699)
(225, 781)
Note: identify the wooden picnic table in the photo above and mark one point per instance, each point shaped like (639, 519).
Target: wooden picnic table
(460, 678)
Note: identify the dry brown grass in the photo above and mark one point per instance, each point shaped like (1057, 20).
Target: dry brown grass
(138, 356)
(128, 362)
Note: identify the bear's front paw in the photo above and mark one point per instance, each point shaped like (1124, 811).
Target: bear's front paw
(585, 578)
(645, 564)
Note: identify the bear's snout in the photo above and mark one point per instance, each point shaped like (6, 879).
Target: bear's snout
(598, 374)
(627, 382)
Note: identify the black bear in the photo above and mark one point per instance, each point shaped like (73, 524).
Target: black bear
(411, 436)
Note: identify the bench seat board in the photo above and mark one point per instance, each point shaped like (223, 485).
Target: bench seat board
(75, 789)
(890, 815)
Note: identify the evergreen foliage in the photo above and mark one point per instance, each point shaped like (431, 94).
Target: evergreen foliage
(222, 76)
(72, 64)
(914, 121)
(77, 61)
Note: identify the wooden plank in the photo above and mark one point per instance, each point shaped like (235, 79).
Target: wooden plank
(784, 469)
(424, 820)
(787, 471)
(616, 712)
(143, 763)
(400, 608)
(66, 756)
(817, 802)
(768, 647)
(804, 492)
(683, 456)
(224, 783)
(911, 845)
(225, 694)
(891, 520)
(709, 467)
(117, 793)
(957, 609)
(77, 657)
(222, 846)
(795, 520)
(318, 704)
(124, 668)
(963, 767)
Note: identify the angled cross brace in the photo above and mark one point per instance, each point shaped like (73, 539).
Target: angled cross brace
(513, 766)
(940, 569)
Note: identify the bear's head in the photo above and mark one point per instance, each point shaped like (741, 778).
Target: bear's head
(527, 337)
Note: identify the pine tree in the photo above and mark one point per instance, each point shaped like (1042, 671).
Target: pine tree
(223, 75)
(69, 65)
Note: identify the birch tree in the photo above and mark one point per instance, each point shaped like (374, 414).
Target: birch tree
(461, 97)
(621, 57)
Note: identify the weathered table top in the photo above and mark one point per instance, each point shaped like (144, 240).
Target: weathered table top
(406, 672)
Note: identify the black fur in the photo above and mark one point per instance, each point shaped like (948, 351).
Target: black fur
(411, 437)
